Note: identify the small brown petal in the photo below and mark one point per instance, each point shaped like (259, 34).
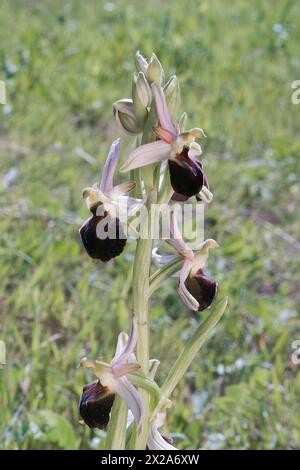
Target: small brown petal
(95, 405)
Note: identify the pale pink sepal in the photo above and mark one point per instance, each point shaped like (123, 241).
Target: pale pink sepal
(147, 154)
(120, 370)
(121, 189)
(162, 109)
(132, 398)
(163, 134)
(106, 183)
(176, 240)
(123, 354)
(162, 260)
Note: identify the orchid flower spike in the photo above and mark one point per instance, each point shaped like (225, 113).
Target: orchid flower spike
(97, 398)
(102, 234)
(178, 148)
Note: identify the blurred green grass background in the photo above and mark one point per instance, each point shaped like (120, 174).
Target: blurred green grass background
(64, 64)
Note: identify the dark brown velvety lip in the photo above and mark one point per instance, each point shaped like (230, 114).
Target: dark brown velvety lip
(202, 288)
(186, 175)
(97, 248)
(95, 405)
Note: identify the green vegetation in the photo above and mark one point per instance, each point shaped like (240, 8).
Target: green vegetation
(64, 65)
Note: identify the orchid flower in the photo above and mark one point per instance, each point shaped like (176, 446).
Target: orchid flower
(156, 441)
(178, 148)
(106, 202)
(196, 289)
(175, 241)
(97, 398)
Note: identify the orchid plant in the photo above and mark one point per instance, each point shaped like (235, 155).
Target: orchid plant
(125, 399)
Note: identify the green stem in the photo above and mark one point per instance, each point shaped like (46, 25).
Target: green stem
(116, 432)
(140, 304)
(141, 270)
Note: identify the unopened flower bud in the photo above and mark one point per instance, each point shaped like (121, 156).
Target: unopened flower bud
(141, 63)
(141, 95)
(155, 72)
(172, 93)
(126, 117)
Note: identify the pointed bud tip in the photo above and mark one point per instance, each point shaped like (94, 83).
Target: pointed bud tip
(172, 85)
(140, 62)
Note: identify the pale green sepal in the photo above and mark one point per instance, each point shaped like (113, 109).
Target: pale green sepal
(172, 94)
(155, 72)
(141, 96)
